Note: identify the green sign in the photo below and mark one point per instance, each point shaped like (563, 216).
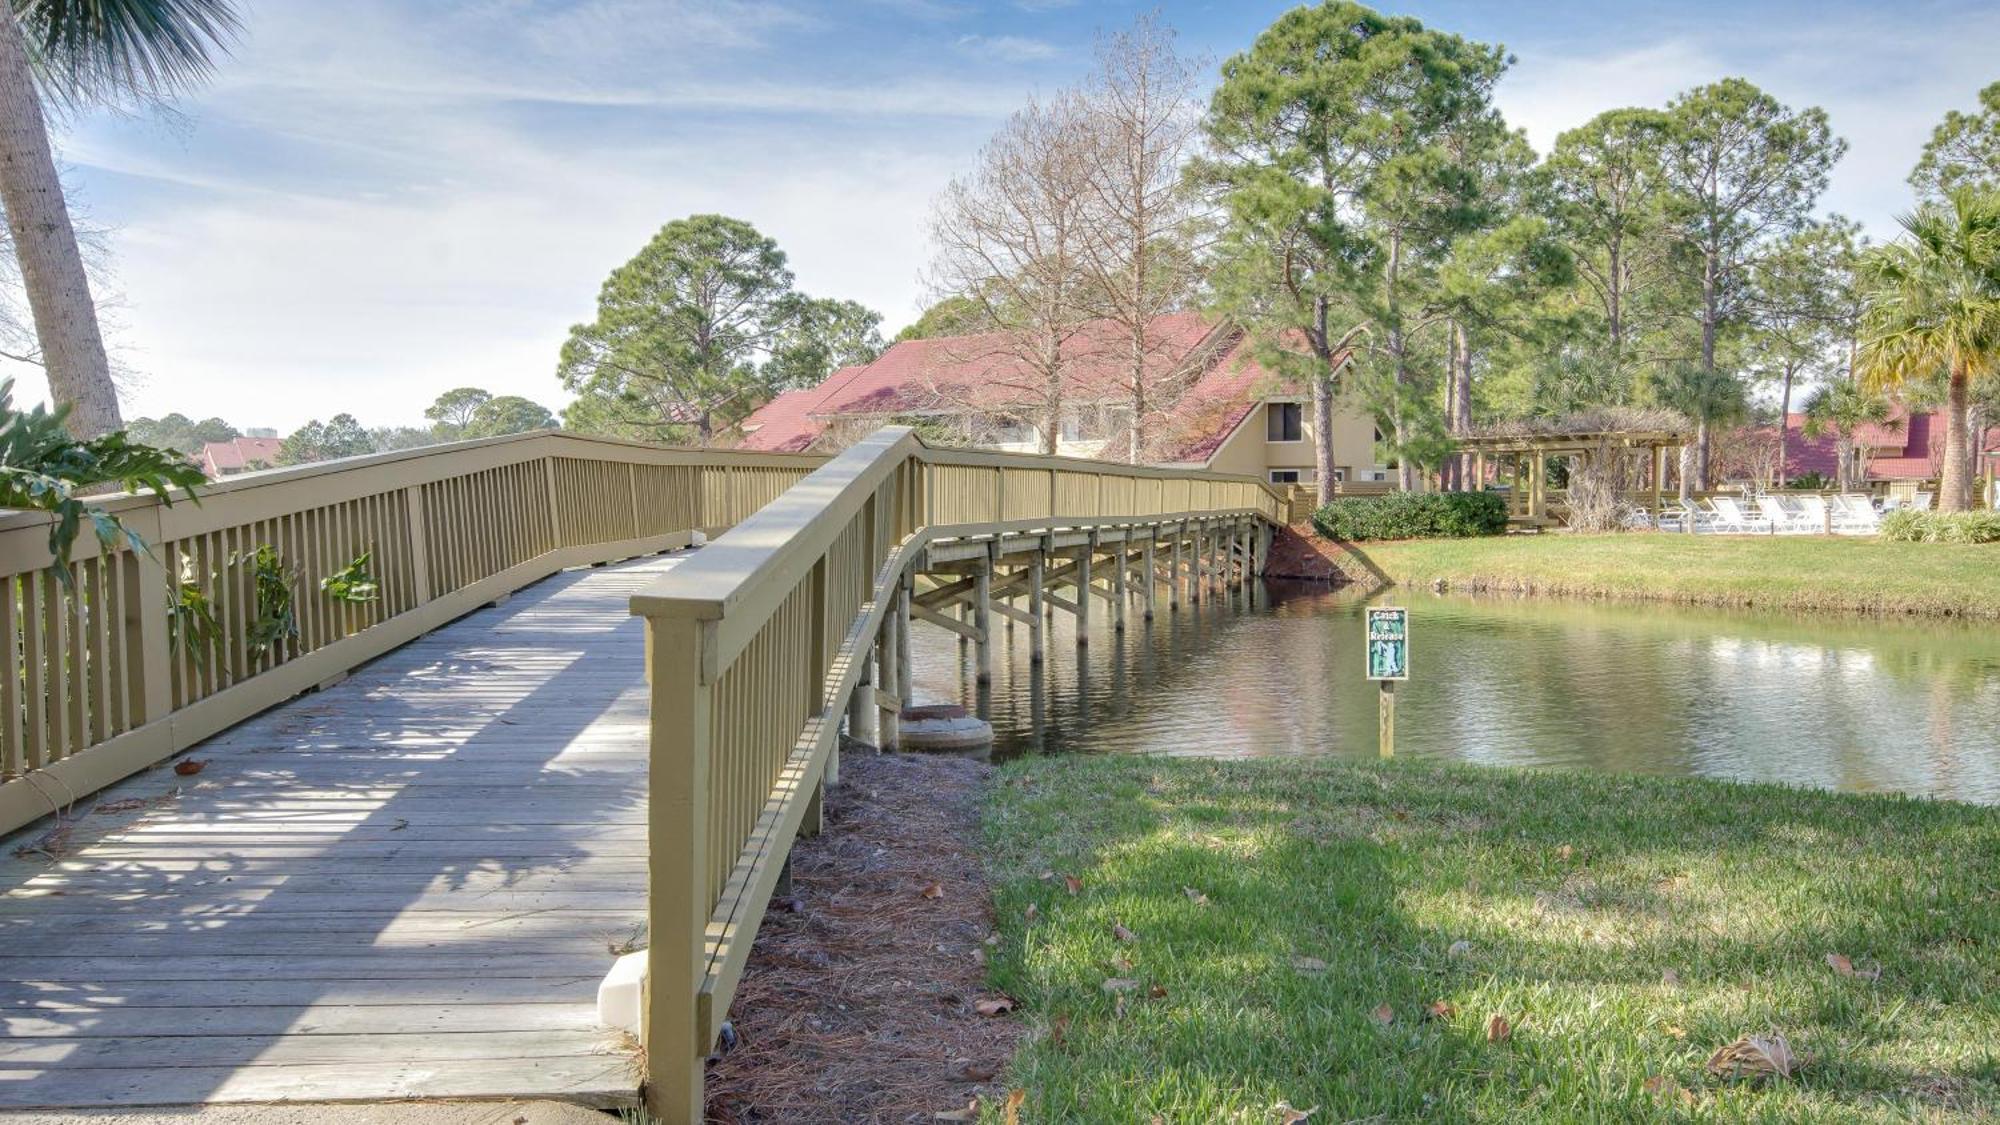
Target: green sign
(1388, 643)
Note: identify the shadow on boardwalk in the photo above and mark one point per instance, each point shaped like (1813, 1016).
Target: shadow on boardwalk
(407, 885)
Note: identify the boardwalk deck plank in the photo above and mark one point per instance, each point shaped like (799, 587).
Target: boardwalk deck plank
(407, 885)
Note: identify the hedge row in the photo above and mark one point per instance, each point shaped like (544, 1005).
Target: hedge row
(1413, 515)
(1942, 527)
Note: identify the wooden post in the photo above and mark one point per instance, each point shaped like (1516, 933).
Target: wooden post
(1174, 576)
(1194, 565)
(677, 898)
(888, 707)
(903, 640)
(1083, 581)
(1659, 480)
(1037, 624)
(1387, 718)
(861, 704)
(1150, 595)
(982, 616)
(1118, 587)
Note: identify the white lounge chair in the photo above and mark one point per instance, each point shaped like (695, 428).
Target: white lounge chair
(1856, 513)
(1785, 521)
(1923, 501)
(1731, 518)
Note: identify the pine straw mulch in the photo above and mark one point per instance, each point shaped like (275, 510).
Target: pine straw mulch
(857, 1003)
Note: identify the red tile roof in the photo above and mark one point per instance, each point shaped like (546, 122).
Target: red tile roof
(955, 374)
(238, 454)
(1900, 451)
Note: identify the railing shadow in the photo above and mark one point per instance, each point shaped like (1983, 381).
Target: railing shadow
(451, 840)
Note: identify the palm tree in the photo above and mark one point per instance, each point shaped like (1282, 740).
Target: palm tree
(80, 52)
(1933, 305)
(1709, 398)
(1842, 409)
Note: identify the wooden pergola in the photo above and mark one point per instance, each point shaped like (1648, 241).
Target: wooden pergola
(1521, 462)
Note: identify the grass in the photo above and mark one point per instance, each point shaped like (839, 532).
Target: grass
(1792, 573)
(1576, 894)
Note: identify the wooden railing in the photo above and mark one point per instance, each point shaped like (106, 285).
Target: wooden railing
(97, 680)
(755, 644)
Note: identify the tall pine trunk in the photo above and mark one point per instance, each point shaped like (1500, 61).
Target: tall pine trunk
(45, 243)
(1955, 490)
(1784, 423)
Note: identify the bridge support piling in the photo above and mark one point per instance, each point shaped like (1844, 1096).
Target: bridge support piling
(861, 704)
(888, 708)
(982, 616)
(1083, 583)
(1150, 596)
(1119, 593)
(1037, 621)
(1174, 574)
(1194, 566)
(903, 641)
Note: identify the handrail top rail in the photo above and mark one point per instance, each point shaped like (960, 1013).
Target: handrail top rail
(786, 536)
(119, 502)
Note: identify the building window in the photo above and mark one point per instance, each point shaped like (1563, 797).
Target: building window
(1284, 476)
(1283, 421)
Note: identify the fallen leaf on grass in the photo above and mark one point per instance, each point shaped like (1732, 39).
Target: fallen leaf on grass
(1031, 913)
(188, 767)
(994, 1006)
(1119, 931)
(1157, 992)
(1289, 1116)
(1498, 1030)
(1011, 1112)
(932, 890)
(1754, 1057)
(1072, 884)
(1440, 1010)
(1458, 949)
(1675, 1032)
(1563, 853)
(1308, 964)
(1059, 1030)
(1122, 963)
(1845, 967)
(1384, 1015)
(969, 1113)
(1116, 985)
(1195, 896)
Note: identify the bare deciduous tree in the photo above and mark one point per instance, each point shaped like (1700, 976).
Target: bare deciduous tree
(1011, 239)
(1140, 246)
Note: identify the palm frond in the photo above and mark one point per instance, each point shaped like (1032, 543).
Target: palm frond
(92, 50)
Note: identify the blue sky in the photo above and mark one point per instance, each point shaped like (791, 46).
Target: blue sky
(377, 200)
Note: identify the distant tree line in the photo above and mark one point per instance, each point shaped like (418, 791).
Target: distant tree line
(459, 414)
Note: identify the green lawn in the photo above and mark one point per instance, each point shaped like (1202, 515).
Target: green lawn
(1799, 573)
(1332, 890)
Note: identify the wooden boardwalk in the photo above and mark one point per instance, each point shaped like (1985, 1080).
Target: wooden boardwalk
(407, 885)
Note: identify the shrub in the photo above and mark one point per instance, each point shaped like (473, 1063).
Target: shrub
(1413, 515)
(1941, 527)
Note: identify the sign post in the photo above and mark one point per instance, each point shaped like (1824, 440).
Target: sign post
(1388, 661)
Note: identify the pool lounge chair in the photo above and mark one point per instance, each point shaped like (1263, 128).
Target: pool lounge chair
(1785, 521)
(1732, 519)
(1855, 513)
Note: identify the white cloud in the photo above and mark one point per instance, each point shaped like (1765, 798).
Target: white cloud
(1007, 48)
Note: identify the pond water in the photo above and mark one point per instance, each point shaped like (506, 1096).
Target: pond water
(1835, 702)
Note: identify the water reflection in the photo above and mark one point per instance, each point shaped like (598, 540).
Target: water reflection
(1856, 704)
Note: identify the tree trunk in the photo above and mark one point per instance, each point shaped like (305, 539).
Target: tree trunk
(45, 243)
(1323, 437)
(1955, 490)
(1461, 398)
(1406, 471)
(1784, 424)
(1708, 329)
(1136, 443)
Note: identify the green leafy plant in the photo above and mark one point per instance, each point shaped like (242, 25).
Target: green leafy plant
(1908, 526)
(43, 468)
(1814, 481)
(275, 620)
(1413, 515)
(352, 583)
(191, 614)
